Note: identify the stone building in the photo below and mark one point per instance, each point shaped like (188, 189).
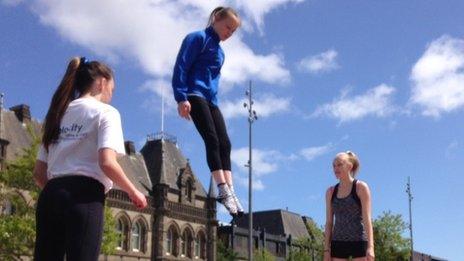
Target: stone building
(180, 221)
(276, 231)
(418, 256)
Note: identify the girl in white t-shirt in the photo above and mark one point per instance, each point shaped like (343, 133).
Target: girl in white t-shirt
(77, 164)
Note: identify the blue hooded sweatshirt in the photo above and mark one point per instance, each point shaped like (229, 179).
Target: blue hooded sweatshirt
(198, 66)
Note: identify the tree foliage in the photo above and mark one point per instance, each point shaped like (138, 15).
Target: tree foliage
(389, 244)
(263, 255)
(224, 253)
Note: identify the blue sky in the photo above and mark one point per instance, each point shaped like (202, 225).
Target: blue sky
(384, 79)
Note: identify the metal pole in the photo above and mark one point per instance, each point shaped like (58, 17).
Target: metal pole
(251, 118)
(408, 190)
(162, 109)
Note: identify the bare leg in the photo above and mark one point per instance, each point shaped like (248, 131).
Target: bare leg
(228, 178)
(218, 176)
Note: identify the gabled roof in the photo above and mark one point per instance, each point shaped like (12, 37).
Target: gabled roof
(135, 169)
(164, 162)
(16, 133)
(277, 222)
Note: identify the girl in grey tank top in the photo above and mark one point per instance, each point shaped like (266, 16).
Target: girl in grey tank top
(348, 228)
(348, 217)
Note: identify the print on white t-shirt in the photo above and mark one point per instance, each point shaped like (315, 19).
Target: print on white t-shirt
(87, 126)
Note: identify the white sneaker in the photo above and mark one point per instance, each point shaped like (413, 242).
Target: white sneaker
(240, 210)
(225, 198)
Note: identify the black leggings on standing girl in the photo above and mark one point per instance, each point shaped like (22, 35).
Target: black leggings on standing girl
(70, 219)
(210, 124)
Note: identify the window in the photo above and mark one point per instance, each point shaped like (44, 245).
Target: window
(122, 228)
(197, 247)
(136, 237)
(186, 244)
(183, 246)
(189, 190)
(171, 241)
(7, 208)
(200, 246)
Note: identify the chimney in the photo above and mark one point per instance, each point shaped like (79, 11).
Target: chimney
(22, 112)
(130, 148)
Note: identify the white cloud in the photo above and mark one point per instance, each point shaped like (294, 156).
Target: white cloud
(242, 64)
(375, 101)
(265, 162)
(256, 183)
(149, 33)
(452, 148)
(323, 62)
(257, 9)
(314, 152)
(438, 77)
(159, 88)
(264, 107)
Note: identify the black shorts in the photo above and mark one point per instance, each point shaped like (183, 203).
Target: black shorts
(347, 249)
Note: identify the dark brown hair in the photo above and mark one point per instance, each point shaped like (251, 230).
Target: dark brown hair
(77, 80)
(220, 13)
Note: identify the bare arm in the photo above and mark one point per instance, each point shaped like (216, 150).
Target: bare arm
(110, 166)
(40, 173)
(328, 222)
(364, 195)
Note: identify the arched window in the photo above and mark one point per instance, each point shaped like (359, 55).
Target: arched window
(122, 228)
(136, 241)
(169, 241)
(7, 208)
(186, 243)
(172, 238)
(197, 247)
(138, 236)
(202, 244)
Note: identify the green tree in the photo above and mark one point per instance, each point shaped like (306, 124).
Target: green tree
(110, 235)
(18, 190)
(316, 239)
(300, 255)
(389, 243)
(263, 255)
(224, 253)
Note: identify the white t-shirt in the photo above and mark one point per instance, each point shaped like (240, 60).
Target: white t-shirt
(87, 126)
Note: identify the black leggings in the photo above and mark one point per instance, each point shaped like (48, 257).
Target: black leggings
(69, 219)
(347, 249)
(212, 128)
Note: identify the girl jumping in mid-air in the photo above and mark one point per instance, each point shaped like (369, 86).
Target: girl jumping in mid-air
(195, 83)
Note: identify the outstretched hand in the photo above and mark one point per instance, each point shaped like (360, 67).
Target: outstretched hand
(138, 199)
(184, 108)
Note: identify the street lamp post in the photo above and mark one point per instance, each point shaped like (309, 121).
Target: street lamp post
(408, 190)
(251, 118)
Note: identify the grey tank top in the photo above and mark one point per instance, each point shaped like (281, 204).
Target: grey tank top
(349, 224)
